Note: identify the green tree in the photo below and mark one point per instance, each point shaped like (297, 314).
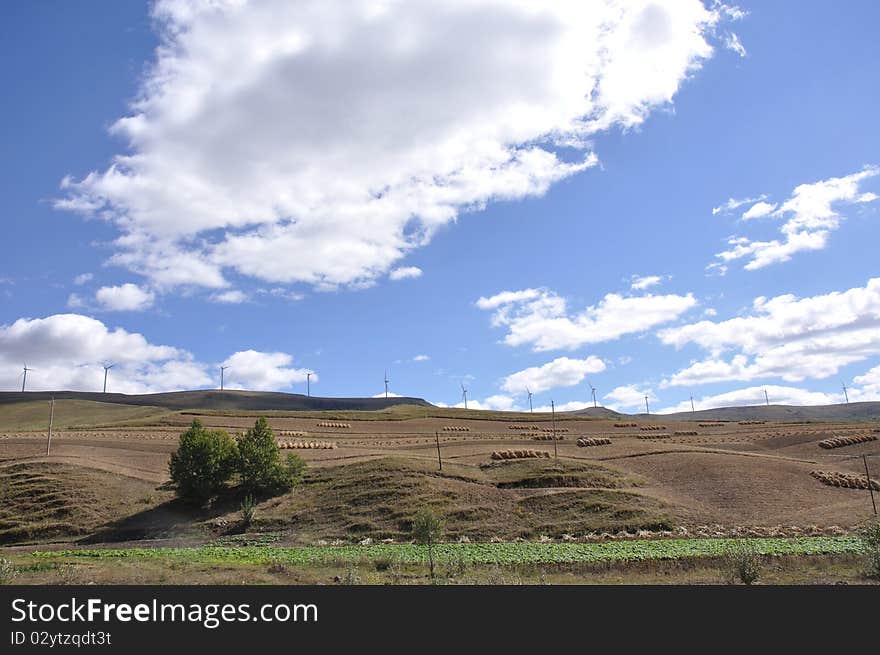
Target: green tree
(259, 461)
(203, 462)
(427, 529)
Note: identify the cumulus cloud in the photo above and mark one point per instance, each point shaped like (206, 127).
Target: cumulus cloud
(867, 386)
(640, 283)
(540, 318)
(810, 216)
(785, 336)
(231, 297)
(67, 351)
(421, 358)
(263, 371)
(628, 397)
(561, 372)
(405, 273)
(733, 204)
(124, 298)
(778, 395)
(82, 278)
(319, 142)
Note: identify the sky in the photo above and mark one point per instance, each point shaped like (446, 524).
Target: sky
(674, 200)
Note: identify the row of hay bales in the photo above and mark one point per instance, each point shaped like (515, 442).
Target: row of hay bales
(752, 422)
(519, 454)
(546, 437)
(585, 442)
(626, 425)
(307, 445)
(848, 480)
(710, 425)
(840, 442)
(552, 430)
(456, 428)
(685, 433)
(292, 433)
(331, 424)
(517, 426)
(652, 428)
(655, 435)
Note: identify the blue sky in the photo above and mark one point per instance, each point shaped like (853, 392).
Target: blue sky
(296, 188)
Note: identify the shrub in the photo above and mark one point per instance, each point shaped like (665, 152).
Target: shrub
(871, 541)
(259, 461)
(203, 462)
(741, 563)
(7, 571)
(248, 510)
(427, 529)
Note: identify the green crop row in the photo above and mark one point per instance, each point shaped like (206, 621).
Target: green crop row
(477, 553)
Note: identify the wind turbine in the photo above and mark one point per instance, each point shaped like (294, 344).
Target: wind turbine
(845, 394)
(647, 409)
(593, 391)
(309, 384)
(464, 394)
(766, 398)
(386, 382)
(692, 404)
(222, 371)
(24, 379)
(107, 367)
(530, 399)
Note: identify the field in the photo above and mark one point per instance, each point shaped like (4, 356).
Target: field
(665, 489)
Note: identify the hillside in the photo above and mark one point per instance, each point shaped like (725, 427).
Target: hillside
(867, 411)
(218, 400)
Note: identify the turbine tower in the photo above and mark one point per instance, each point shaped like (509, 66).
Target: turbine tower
(107, 367)
(530, 399)
(692, 404)
(222, 372)
(386, 382)
(24, 379)
(593, 392)
(464, 394)
(766, 398)
(647, 409)
(309, 384)
(845, 394)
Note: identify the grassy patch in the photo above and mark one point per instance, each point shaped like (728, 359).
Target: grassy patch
(72, 414)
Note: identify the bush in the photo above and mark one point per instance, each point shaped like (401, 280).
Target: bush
(7, 571)
(742, 563)
(871, 542)
(248, 510)
(427, 529)
(203, 462)
(259, 462)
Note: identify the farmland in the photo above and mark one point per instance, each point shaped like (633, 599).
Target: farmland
(631, 502)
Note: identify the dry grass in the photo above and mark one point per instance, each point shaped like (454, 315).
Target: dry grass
(840, 442)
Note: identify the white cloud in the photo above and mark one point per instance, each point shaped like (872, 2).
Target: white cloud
(231, 297)
(735, 203)
(732, 42)
(405, 272)
(82, 278)
(124, 298)
(540, 318)
(561, 372)
(640, 283)
(628, 397)
(571, 406)
(787, 337)
(810, 216)
(263, 371)
(390, 394)
(758, 210)
(66, 351)
(421, 358)
(868, 386)
(778, 395)
(319, 142)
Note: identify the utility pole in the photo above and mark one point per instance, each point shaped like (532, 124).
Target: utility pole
(553, 410)
(647, 409)
(870, 488)
(52, 419)
(309, 384)
(222, 371)
(437, 439)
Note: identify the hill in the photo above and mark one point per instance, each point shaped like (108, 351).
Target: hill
(218, 400)
(867, 411)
